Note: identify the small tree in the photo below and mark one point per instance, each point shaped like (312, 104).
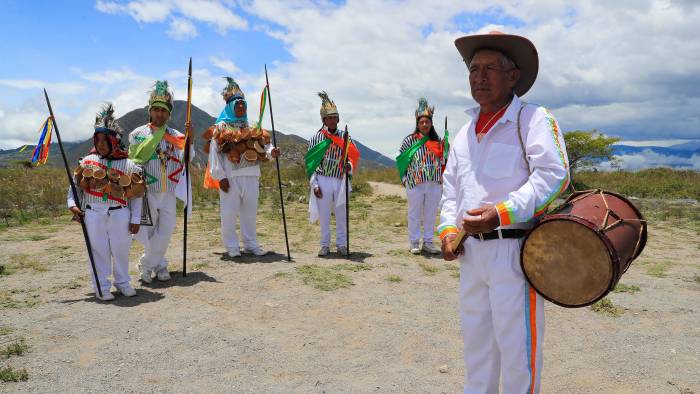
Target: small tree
(586, 148)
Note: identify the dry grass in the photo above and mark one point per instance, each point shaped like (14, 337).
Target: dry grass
(17, 348)
(428, 268)
(623, 288)
(606, 307)
(323, 278)
(8, 374)
(394, 278)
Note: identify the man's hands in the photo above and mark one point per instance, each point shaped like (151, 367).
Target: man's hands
(275, 153)
(134, 228)
(188, 127)
(223, 185)
(447, 253)
(317, 192)
(478, 220)
(77, 214)
(481, 220)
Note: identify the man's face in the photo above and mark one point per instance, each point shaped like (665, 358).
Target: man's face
(424, 125)
(331, 122)
(490, 83)
(101, 144)
(239, 108)
(159, 116)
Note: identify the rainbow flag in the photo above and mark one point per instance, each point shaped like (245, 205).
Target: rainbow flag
(263, 102)
(41, 152)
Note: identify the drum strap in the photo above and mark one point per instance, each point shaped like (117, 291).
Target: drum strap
(520, 138)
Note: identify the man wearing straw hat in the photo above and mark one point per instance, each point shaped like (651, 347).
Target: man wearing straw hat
(506, 166)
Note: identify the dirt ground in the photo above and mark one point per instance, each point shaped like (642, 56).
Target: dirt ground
(254, 325)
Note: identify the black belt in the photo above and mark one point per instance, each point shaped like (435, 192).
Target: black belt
(109, 209)
(500, 234)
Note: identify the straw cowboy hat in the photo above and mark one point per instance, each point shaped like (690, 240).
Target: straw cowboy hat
(519, 49)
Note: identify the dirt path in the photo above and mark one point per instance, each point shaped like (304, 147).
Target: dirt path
(253, 325)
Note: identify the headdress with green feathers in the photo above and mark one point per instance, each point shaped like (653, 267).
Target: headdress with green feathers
(328, 107)
(105, 122)
(232, 91)
(161, 96)
(424, 109)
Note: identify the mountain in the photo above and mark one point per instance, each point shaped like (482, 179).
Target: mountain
(293, 147)
(682, 156)
(685, 152)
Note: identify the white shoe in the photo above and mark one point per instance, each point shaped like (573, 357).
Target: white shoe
(415, 249)
(236, 253)
(342, 250)
(430, 249)
(258, 251)
(127, 290)
(324, 251)
(163, 274)
(146, 276)
(106, 296)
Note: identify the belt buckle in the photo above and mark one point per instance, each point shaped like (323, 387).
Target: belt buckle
(481, 237)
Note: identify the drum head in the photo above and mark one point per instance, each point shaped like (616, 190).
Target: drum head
(567, 263)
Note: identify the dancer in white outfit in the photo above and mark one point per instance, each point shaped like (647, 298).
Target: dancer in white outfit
(111, 207)
(420, 162)
(235, 153)
(505, 167)
(159, 149)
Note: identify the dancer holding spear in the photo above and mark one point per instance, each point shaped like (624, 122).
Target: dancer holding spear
(325, 168)
(235, 153)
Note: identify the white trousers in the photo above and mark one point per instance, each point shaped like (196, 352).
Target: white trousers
(155, 239)
(423, 203)
(241, 200)
(110, 241)
(330, 187)
(502, 320)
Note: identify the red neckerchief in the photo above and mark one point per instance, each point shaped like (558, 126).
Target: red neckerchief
(486, 121)
(353, 153)
(434, 147)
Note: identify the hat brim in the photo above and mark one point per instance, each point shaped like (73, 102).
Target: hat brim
(521, 50)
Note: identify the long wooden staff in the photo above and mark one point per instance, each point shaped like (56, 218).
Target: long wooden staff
(277, 162)
(346, 139)
(76, 198)
(188, 136)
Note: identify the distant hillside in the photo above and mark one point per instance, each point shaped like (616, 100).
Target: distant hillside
(293, 147)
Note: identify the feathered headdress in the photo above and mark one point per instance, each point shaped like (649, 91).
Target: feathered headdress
(328, 107)
(161, 96)
(232, 91)
(424, 109)
(105, 122)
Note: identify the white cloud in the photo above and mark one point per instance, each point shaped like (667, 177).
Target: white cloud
(627, 68)
(182, 13)
(182, 29)
(224, 64)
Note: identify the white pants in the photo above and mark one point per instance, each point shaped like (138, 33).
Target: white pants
(423, 203)
(330, 187)
(110, 241)
(241, 200)
(155, 239)
(502, 320)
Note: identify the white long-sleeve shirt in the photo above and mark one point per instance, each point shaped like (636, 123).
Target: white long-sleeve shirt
(494, 171)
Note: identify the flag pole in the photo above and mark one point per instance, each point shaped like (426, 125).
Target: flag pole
(277, 162)
(76, 198)
(188, 136)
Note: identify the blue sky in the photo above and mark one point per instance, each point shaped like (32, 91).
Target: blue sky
(629, 69)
